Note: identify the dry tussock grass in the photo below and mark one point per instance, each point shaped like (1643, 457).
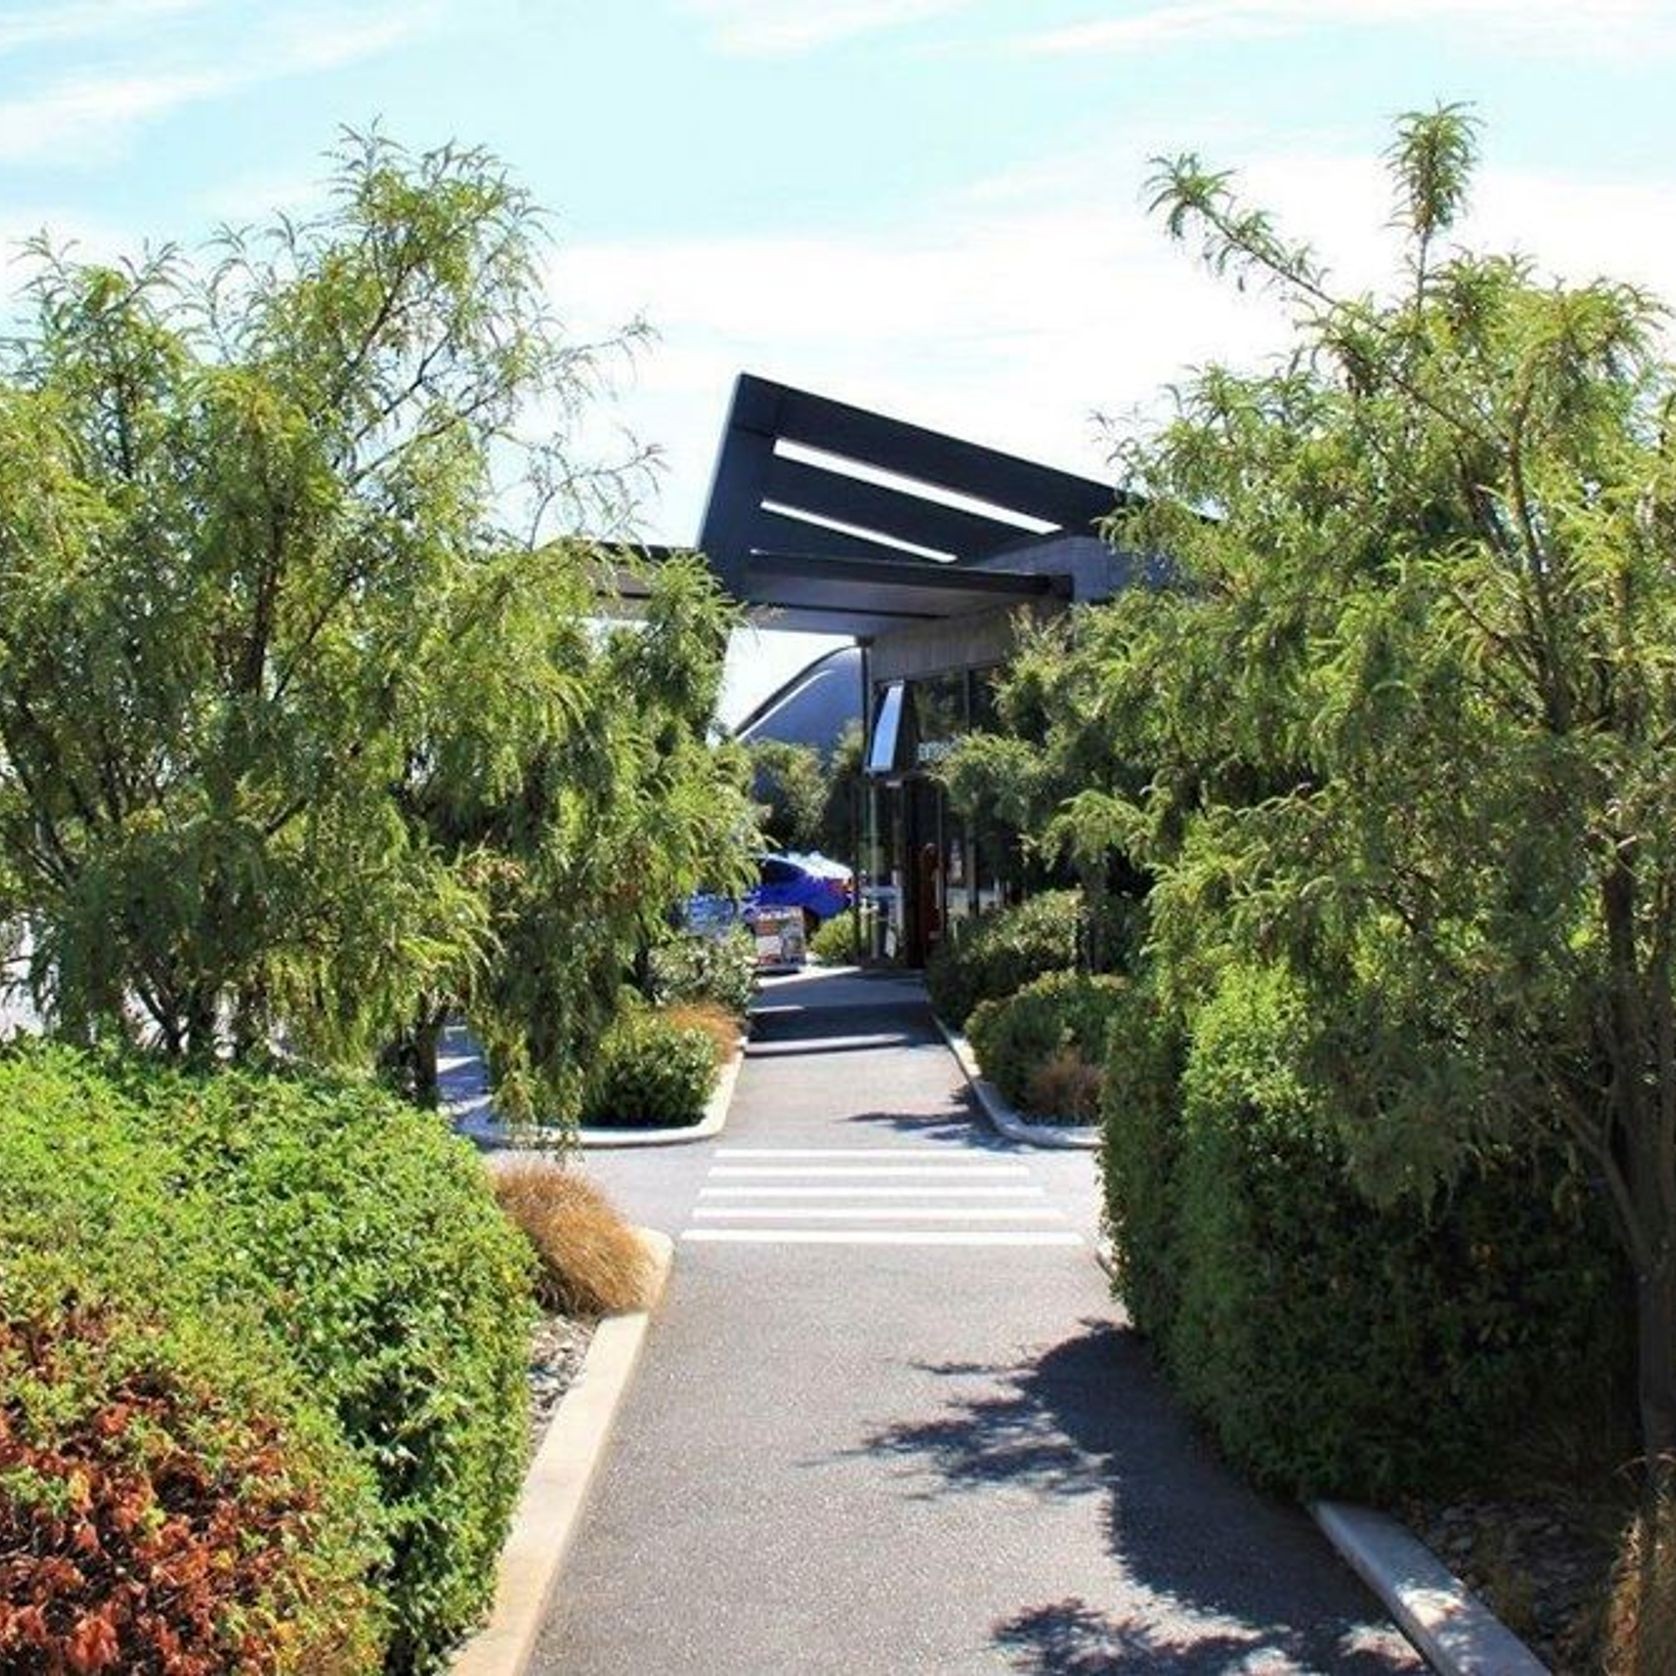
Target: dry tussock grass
(1065, 1085)
(591, 1261)
(1640, 1629)
(713, 1019)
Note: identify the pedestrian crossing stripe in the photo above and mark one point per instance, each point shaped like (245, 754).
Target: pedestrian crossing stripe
(880, 1236)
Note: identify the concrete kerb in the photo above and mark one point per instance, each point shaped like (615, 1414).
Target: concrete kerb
(556, 1487)
(1452, 1628)
(1002, 1117)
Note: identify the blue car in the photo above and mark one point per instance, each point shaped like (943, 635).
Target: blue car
(818, 885)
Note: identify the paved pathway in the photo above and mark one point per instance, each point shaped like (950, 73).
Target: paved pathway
(889, 1420)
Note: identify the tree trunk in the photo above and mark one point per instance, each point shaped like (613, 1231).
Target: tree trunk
(427, 1034)
(1655, 1310)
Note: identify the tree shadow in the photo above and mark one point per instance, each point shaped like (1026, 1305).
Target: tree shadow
(1232, 1580)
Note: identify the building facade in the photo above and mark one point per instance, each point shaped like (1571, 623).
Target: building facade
(929, 552)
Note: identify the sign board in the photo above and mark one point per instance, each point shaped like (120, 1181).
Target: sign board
(780, 937)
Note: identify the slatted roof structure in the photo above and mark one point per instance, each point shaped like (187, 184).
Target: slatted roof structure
(843, 521)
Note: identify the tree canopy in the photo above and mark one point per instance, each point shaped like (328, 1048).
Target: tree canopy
(304, 720)
(1407, 721)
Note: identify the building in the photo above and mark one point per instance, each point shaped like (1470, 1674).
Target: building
(926, 550)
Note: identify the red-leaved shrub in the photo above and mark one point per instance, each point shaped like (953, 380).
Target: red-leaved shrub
(158, 1521)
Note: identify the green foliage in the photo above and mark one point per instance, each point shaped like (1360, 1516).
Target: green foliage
(1017, 1035)
(835, 942)
(720, 969)
(603, 829)
(306, 728)
(996, 954)
(370, 1240)
(174, 1487)
(1339, 1346)
(1140, 1144)
(789, 781)
(1406, 721)
(650, 1073)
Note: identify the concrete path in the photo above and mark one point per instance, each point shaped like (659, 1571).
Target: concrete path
(889, 1420)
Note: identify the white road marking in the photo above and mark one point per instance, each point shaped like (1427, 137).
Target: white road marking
(874, 1236)
(866, 1172)
(881, 1213)
(928, 1191)
(904, 1154)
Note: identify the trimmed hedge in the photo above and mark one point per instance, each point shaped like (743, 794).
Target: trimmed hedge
(996, 954)
(372, 1240)
(650, 1073)
(1063, 1013)
(1140, 1145)
(697, 968)
(1334, 1345)
(173, 1495)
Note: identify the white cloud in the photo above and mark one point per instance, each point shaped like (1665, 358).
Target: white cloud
(1028, 303)
(85, 117)
(1603, 26)
(768, 28)
(47, 25)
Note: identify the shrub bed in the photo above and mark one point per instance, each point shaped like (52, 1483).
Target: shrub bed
(173, 1496)
(695, 968)
(650, 1073)
(995, 954)
(371, 1237)
(835, 942)
(1334, 1344)
(1043, 1047)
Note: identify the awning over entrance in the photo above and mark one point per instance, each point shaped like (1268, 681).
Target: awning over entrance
(842, 521)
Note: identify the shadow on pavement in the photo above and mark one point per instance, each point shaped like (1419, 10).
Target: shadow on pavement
(1241, 1582)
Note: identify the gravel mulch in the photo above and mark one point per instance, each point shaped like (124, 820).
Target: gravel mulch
(556, 1352)
(1543, 1566)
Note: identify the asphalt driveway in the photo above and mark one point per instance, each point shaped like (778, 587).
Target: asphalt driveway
(889, 1419)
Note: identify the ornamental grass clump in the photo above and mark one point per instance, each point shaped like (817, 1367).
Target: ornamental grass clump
(589, 1261)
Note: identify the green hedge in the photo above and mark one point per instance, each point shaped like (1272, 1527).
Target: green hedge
(650, 1073)
(998, 953)
(373, 1241)
(175, 1490)
(1140, 1145)
(1332, 1344)
(1016, 1037)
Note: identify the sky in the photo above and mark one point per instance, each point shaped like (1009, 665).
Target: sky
(934, 208)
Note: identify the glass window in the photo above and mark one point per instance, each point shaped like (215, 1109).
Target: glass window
(887, 729)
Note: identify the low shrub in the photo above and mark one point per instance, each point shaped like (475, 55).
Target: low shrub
(836, 943)
(721, 1026)
(650, 1073)
(590, 1262)
(995, 954)
(1047, 1042)
(369, 1238)
(700, 968)
(1337, 1345)
(173, 1497)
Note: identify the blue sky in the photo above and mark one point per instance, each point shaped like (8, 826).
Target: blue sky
(929, 206)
